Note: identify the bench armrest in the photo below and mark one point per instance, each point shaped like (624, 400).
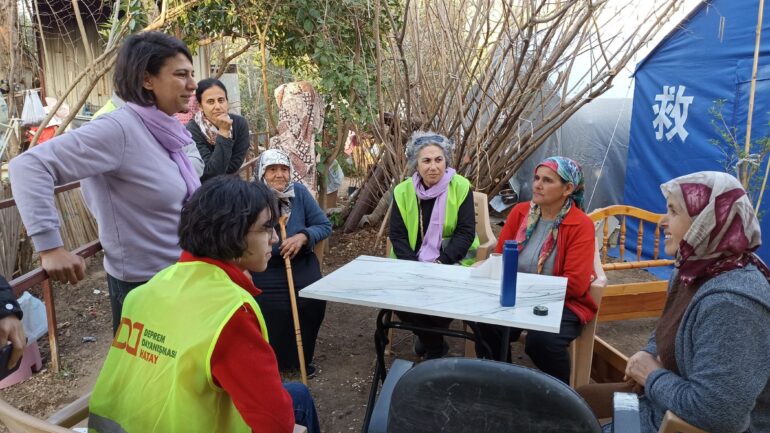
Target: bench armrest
(625, 417)
(71, 414)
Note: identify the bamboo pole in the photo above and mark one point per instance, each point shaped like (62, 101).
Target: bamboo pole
(294, 312)
(83, 35)
(751, 106)
(10, 231)
(747, 150)
(762, 190)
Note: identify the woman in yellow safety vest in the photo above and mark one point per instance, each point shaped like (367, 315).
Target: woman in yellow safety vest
(191, 352)
(433, 220)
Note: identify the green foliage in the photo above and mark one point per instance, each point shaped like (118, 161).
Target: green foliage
(253, 106)
(330, 44)
(346, 163)
(745, 166)
(132, 14)
(336, 219)
(321, 165)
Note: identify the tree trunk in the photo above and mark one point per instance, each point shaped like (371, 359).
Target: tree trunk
(379, 212)
(329, 160)
(9, 49)
(265, 88)
(366, 201)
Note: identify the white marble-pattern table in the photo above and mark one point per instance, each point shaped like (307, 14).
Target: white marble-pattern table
(441, 290)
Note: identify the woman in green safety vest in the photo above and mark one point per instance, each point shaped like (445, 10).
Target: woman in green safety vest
(191, 352)
(433, 220)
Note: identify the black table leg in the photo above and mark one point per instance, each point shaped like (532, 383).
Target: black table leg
(506, 346)
(380, 341)
(478, 338)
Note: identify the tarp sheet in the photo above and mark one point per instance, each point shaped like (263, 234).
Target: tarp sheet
(596, 136)
(705, 63)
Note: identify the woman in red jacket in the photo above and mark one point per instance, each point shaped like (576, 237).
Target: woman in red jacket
(555, 238)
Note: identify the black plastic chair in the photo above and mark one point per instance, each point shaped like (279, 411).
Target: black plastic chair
(464, 395)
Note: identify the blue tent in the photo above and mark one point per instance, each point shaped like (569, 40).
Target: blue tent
(704, 64)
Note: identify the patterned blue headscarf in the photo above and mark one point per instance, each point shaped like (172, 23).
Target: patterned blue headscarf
(569, 171)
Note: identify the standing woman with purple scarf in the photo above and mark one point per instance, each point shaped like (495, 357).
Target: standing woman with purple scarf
(132, 167)
(433, 220)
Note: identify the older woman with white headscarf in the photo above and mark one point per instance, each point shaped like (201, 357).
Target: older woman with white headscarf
(307, 225)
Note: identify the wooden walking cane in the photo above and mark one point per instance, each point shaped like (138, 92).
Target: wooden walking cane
(294, 312)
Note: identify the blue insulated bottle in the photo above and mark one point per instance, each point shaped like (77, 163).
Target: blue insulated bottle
(510, 268)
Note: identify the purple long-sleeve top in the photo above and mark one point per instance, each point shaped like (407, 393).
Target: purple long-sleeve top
(131, 185)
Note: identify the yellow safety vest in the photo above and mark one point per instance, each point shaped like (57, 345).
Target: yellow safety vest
(157, 376)
(406, 200)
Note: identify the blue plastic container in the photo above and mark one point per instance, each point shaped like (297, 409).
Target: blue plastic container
(510, 268)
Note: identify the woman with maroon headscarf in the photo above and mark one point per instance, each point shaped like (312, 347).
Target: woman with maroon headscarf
(708, 360)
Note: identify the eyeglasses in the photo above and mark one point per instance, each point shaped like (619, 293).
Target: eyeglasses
(268, 230)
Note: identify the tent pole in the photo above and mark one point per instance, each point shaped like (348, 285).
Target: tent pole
(762, 190)
(745, 172)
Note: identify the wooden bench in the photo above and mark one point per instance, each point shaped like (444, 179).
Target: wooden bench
(631, 300)
(59, 422)
(626, 300)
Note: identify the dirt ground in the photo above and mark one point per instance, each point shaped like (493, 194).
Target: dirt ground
(344, 353)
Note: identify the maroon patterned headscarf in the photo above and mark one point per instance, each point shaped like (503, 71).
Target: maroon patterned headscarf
(723, 236)
(724, 231)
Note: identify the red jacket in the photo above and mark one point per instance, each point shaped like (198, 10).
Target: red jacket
(574, 255)
(244, 364)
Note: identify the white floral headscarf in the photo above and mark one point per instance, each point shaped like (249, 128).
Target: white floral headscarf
(276, 157)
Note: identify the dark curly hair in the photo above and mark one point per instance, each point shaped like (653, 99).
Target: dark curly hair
(218, 216)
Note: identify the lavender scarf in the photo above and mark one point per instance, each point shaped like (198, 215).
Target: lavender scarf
(173, 137)
(431, 243)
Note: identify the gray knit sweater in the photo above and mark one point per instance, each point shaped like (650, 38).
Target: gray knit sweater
(723, 354)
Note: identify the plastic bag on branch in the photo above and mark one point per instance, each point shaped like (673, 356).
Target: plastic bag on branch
(3, 112)
(33, 112)
(336, 176)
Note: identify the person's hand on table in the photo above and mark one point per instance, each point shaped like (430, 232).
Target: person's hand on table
(63, 266)
(477, 264)
(12, 330)
(292, 245)
(639, 367)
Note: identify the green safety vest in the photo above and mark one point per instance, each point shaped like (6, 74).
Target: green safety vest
(406, 200)
(109, 107)
(157, 376)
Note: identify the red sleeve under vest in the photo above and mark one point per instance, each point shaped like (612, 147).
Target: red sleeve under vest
(244, 365)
